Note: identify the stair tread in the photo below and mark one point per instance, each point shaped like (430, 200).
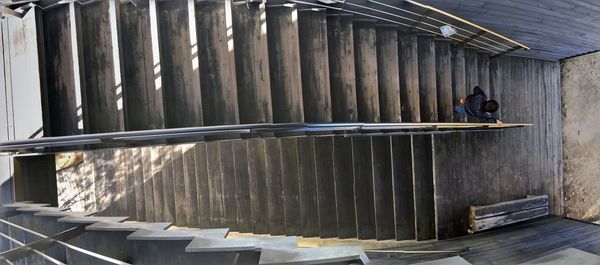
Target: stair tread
(132, 226)
(313, 255)
(187, 234)
(200, 244)
(42, 209)
(456, 260)
(24, 204)
(62, 213)
(91, 219)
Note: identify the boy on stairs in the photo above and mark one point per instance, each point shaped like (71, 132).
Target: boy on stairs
(478, 106)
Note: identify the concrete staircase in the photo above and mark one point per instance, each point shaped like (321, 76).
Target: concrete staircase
(186, 63)
(109, 240)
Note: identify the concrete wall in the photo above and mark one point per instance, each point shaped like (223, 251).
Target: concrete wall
(581, 132)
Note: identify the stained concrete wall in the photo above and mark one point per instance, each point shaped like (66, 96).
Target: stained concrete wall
(581, 136)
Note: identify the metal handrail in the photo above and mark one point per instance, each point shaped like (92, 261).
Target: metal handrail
(439, 21)
(421, 22)
(51, 239)
(244, 130)
(20, 244)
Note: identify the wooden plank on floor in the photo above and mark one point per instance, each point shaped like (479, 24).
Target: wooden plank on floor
(290, 170)
(178, 49)
(427, 80)
(103, 103)
(363, 188)
(308, 187)
(383, 188)
(344, 187)
(144, 103)
(63, 99)
(511, 218)
(404, 209)
(166, 153)
(228, 179)
(274, 187)
(443, 66)
(341, 68)
(202, 187)
(157, 183)
(458, 79)
(215, 184)
(409, 77)
(179, 185)
(242, 187)
(479, 212)
(258, 185)
(328, 223)
(189, 178)
(423, 186)
(148, 183)
(365, 54)
(388, 74)
(284, 63)
(138, 174)
(216, 63)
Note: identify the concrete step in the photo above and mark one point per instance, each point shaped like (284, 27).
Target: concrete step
(240, 244)
(183, 234)
(456, 260)
(126, 227)
(91, 219)
(319, 255)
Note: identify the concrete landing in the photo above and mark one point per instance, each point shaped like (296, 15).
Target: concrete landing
(568, 256)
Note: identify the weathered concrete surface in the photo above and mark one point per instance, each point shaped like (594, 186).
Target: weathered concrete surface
(580, 96)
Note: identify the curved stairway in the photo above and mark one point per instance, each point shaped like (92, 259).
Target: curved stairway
(110, 240)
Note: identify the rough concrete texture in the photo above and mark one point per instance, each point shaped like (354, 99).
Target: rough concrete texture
(581, 136)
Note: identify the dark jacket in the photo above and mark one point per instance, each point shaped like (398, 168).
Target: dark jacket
(474, 106)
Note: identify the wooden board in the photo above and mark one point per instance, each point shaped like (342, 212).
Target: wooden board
(274, 187)
(166, 153)
(190, 190)
(409, 77)
(103, 100)
(290, 170)
(64, 99)
(365, 54)
(383, 188)
(215, 185)
(308, 187)
(363, 188)
(202, 187)
(242, 186)
(179, 185)
(178, 52)
(216, 63)
(402, 170)
(480, 212)
(144, 108)
(326, 192)
(344, 187)
(340, 40)
(423, 162)
(258, 185)
(443, 66)
(427, 80)
(388, 74)
(511, 218)
(252, 64)
(284, 62)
